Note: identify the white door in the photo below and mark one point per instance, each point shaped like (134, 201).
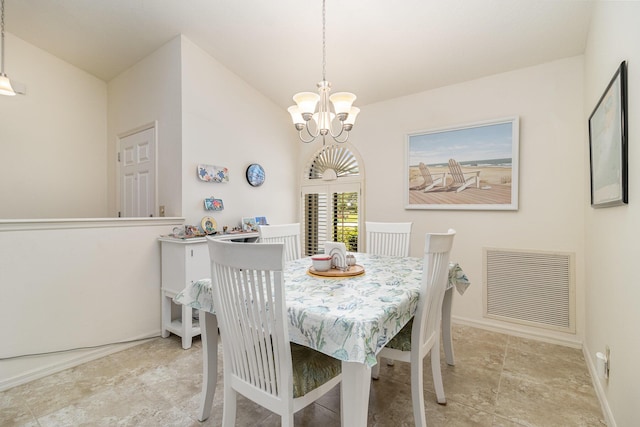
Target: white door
(137, 157)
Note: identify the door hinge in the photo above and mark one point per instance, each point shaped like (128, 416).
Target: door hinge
(118, 156)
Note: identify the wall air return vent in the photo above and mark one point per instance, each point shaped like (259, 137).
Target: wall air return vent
(534, 288)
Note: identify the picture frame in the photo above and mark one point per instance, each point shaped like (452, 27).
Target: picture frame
(472, 167)
(608, 144)
(249, 224)
(213, 204)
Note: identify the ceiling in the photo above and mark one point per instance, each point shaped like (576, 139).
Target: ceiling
(378, 49)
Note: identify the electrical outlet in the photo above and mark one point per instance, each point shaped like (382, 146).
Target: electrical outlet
(161, 210)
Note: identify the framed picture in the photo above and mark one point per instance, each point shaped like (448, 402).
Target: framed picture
(608, 144)
(249, 224)
(473, 166)
(213, 204)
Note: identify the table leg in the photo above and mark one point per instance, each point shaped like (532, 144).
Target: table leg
(209, 335)
(447, 340)
(354, 394)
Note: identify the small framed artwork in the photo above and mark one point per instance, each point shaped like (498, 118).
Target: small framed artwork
(261, 220)
(473, 166)
(249, 224)
(608, 144)
(212, 204)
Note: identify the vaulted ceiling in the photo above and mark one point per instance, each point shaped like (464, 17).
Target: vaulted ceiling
(378, 49)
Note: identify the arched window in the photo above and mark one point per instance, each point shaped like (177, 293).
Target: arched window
(331, 198)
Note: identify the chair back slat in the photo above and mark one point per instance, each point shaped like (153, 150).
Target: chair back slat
(388, 238)
(435, 276)
(289, 234)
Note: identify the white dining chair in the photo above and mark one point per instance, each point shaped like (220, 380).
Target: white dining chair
(421, 335)
(289, 234)
(388, 238)
(259, 362)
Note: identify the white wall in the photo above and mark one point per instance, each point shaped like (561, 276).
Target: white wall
(147, 92)
(81, 283)
(53, 139)
(548, 99)
(612, 234)
(70, 284)
(225, 122)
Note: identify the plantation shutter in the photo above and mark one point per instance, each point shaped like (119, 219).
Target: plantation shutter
(331, 213)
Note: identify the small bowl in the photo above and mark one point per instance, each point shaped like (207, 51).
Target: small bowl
(321, 262)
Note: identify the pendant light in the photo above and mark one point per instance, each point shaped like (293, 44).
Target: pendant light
(5, 83)
(322, 122)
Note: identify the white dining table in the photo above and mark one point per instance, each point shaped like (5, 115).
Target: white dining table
(349, 318)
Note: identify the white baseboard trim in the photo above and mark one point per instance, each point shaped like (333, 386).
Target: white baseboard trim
(517, 330)
(74, 358)
(597, 385)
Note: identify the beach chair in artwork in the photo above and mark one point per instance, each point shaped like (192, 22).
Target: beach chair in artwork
(430, 181)
(461, 179)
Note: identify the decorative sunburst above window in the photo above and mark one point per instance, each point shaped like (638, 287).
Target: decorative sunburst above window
(332, 162)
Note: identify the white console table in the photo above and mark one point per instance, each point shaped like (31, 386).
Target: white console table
(185, 261)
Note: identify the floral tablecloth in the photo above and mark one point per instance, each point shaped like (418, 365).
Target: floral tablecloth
(350, 318)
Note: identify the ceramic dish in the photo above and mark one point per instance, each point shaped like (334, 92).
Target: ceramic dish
(209, 225)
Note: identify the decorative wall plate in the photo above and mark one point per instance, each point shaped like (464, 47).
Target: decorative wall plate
(211, 173)
(255, 175)
(209, 225)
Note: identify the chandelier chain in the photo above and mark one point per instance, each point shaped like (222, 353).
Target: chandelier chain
(324, 41)
(2, 37)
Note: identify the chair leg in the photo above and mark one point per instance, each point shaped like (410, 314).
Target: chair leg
(375, 370)
(417, 394)
(286, 420)
(229, 408)
(437, 373)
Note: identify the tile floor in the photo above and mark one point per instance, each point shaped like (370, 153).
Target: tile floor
(498, 380)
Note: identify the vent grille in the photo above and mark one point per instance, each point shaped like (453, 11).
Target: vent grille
(535, 288)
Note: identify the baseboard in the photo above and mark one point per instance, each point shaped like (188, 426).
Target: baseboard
(597, 385)
(517, 330)
(71, 360)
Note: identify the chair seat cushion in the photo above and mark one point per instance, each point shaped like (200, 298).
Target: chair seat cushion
(402, 340)
(311, 369)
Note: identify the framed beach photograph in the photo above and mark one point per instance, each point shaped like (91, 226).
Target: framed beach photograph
(473, 166)
(608, 144)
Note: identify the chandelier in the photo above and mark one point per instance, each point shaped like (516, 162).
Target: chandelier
(312, 123)
(5, 83)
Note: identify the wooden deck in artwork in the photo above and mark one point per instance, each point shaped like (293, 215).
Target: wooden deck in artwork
(496, 195)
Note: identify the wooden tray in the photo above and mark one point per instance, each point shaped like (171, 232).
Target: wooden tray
(354, 270)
